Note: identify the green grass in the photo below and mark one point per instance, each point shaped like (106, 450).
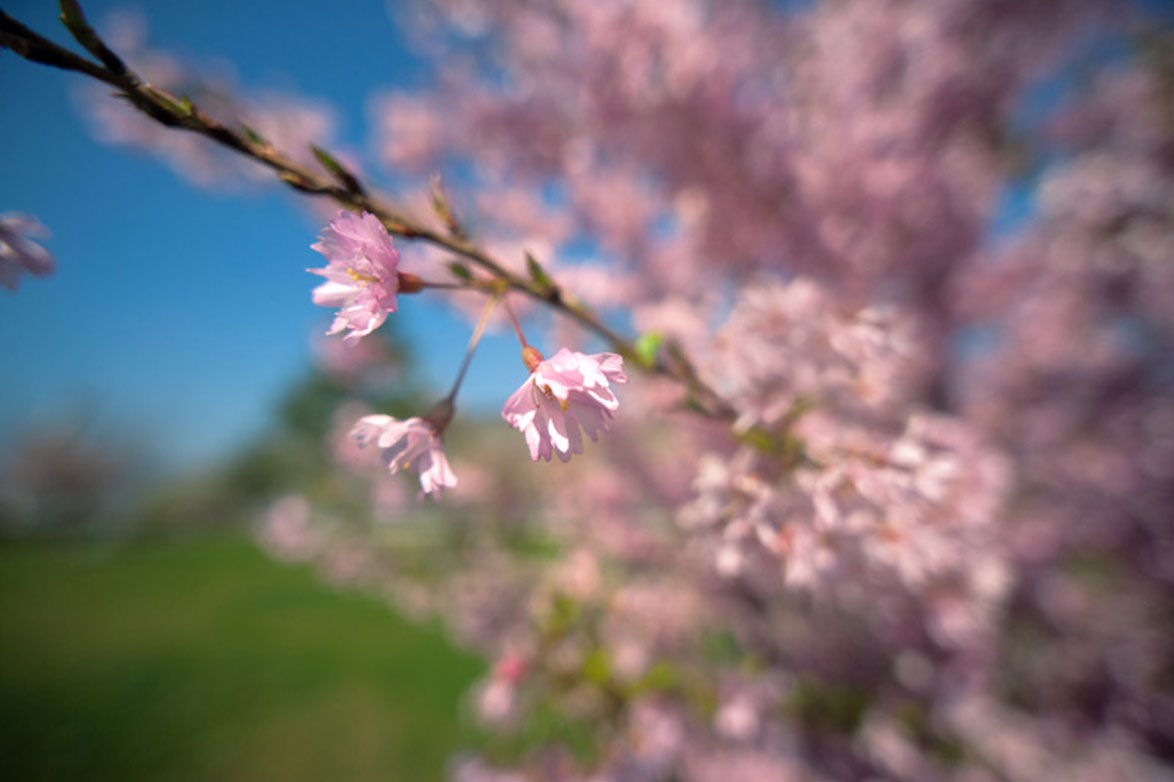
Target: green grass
(206, 661)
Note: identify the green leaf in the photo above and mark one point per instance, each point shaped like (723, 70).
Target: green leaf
(72, 16)
(253, 136)
(340, 172)
(647, 346)
(538, 274)
(460, 271)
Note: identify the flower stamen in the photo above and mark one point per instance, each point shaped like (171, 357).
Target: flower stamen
(359, 277)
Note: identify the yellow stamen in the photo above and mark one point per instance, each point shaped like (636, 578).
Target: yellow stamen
(357, 277)
(563, 403)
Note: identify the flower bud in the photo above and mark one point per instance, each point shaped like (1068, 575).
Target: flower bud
(409, 283)
(531, 358)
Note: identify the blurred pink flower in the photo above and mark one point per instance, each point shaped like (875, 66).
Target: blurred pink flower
(361, 276)
(353, 363)
(565, 392)
(408, 444)
(341, 443)
(497, 702)
(18, 253)
(287, 530)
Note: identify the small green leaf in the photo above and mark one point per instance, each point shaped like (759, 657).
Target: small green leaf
(460, 271)
(253, 136)
(326, 159)
(647, 346)
(340, 172)
(72, 16)
(162, 106)
(538, 274)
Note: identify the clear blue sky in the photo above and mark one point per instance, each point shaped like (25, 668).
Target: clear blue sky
(179, 313)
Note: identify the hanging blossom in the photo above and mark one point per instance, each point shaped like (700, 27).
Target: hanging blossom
(565, 392)
(362, 277)
(18, 253)
(411, 444)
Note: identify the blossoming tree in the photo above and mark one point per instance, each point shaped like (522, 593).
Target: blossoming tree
(889, 494)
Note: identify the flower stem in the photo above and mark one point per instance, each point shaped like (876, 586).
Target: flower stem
(517, 326)
(450, 286)
(478, 331)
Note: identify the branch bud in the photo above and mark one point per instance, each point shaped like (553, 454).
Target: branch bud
(443, 209)
(409, 283)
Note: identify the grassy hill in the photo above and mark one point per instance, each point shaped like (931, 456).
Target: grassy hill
(205, 660)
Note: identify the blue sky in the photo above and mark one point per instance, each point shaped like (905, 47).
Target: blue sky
(178, 313)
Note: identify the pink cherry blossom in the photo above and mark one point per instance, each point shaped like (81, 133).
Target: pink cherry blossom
(565, 392)
(408, 444)
(362, 274)
(18, 253)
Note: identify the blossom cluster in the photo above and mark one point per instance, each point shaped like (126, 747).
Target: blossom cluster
(565, 395)
(938, 437)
